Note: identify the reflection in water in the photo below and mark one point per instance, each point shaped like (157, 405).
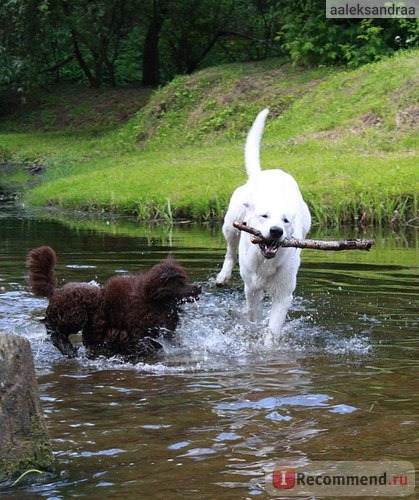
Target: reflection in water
(228, 398)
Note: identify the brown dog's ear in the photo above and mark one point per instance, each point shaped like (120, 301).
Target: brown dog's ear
(164, 281)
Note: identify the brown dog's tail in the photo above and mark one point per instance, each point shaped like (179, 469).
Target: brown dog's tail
(41, 277)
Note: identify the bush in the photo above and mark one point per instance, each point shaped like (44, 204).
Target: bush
(311, 39)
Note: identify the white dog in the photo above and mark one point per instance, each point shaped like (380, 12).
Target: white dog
(271, 202)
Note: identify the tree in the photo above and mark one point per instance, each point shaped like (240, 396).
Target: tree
(191, 30)
(40, 37)
(96, 29)
(117, 41)
(151, 53)
(22, 42)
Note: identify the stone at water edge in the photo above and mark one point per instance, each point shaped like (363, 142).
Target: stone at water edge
(24, 440)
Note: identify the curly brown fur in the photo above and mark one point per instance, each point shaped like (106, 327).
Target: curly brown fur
(136, 309)
(124, 317)
(42, 279)
(70, 308)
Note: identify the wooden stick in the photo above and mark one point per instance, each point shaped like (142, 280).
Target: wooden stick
(313, 244)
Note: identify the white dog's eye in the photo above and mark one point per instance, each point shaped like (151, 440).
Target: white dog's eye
(286, 220)
(265, 216)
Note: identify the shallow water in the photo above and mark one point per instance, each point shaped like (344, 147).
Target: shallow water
(229, 399)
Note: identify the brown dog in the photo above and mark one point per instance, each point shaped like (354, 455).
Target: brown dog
(123, 317)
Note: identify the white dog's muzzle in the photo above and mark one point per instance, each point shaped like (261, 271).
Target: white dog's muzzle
(270, 247)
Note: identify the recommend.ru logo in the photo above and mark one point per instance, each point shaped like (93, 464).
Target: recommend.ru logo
(345, 478)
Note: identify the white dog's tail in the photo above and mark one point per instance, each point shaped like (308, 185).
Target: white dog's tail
(252, 148)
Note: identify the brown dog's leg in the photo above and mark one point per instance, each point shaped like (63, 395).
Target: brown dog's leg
(63, 344)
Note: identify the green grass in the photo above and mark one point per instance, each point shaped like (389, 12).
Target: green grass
(348, 137)
(174, 189)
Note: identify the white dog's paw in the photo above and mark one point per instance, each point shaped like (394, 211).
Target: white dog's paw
(222, 278)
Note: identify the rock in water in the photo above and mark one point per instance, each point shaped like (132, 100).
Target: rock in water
(24, 441)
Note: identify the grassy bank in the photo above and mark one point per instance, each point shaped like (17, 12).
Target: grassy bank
(348, 137)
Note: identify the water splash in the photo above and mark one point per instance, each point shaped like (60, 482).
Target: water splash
(213, 335)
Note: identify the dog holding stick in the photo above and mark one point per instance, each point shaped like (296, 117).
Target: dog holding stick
(270, 202)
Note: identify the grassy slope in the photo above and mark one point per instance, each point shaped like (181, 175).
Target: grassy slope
(348, 137)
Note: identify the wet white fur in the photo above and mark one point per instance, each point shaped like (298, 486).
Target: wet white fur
(269, 198)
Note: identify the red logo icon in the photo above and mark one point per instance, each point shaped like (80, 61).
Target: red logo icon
(283, 479)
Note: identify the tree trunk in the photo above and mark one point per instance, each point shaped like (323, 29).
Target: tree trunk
(94, 82)
(151, 55)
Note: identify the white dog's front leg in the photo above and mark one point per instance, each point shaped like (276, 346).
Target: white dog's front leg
(253, 300)
(224, 275)
(233, 237)
(280, 306)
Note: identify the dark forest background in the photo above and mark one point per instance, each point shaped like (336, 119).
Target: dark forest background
(119, 42)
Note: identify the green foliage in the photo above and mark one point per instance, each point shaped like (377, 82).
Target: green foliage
(191, 30)
(311, 39)
(22, 45)
(127, 67)
(111, 42)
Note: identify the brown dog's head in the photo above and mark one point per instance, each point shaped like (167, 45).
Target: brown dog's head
(167, 282)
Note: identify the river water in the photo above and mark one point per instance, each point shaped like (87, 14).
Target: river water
(229, 401)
